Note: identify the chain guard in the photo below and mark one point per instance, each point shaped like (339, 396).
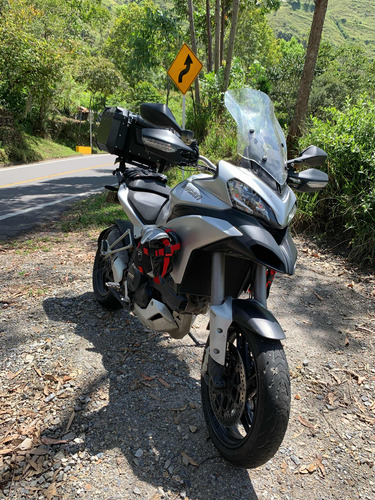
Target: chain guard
(228, 404)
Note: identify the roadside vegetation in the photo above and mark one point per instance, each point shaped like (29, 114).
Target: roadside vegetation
(60, 59)
(96, 212)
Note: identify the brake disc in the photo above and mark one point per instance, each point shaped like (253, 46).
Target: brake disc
(228, 404)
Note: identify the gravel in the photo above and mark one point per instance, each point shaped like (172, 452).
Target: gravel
(95, 406)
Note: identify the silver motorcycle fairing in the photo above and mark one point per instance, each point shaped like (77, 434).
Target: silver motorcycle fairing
(196, 231)
(282, 203)
(192, 193)
(245, 237)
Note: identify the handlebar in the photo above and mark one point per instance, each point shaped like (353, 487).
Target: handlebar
(208, 163)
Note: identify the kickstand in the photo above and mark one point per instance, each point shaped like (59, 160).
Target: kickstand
(195, 340)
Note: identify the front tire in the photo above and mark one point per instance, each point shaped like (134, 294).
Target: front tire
(247, 421)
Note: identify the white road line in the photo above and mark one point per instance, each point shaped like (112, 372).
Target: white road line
(31, 209)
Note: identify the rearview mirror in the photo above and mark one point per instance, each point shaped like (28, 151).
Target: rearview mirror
(311, 156)
(308, 181)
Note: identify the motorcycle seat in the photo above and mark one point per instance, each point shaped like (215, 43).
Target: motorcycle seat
(147, 205)
(149, 186)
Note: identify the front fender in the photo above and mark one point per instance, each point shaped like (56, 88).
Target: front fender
(252, 315)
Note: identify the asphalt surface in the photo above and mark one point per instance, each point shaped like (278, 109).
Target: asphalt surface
(37, 193)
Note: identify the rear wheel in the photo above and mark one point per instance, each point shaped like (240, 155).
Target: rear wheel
(102, 272)
(248, 419)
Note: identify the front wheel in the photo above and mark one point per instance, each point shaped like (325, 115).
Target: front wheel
(247, 420)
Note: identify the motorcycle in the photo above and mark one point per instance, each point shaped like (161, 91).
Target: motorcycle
(211, 244)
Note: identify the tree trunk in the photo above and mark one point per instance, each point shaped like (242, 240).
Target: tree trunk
(209, 37)
(222, 33)
(308, 73)
(194, 48)
(217, 35)
(232, 35)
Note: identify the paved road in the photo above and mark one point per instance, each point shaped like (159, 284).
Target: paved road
(35, 193)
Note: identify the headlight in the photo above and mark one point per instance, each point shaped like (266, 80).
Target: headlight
(247, 200)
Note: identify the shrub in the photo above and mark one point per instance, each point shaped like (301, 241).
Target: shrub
(347, 205)
(14, 147)
(70, 132)
(142, 92)
(221, 140)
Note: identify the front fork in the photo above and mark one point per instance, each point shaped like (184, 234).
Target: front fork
(221, 316)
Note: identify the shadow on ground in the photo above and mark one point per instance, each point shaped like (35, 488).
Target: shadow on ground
(153, 416)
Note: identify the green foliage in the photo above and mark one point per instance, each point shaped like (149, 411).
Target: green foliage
(342, 72)
(349, 200)
(221, 139)
(284, 77)
(93, 212)
(100, 77)
(18, 147)
(29, 69)
(69, 132)
(15, 147)
(143, 42)
(255, 41)
(347, 21)
(142, 92)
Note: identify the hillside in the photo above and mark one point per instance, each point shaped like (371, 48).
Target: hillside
(346, 21)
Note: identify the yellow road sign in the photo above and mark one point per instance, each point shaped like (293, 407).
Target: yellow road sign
(185, 68)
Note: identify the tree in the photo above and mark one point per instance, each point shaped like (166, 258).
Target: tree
(283, 76)
(194, 47)
(209, 37)
(227, 16)
(30, 67)
(217, 36)
(39, 43)
(232, 36)
(100, 78)
(143, 42)
(308, 73)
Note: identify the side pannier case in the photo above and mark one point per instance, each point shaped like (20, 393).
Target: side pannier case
(112, 132)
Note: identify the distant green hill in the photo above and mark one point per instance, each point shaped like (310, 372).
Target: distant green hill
(346, 21)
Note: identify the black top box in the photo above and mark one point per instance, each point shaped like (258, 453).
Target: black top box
(120, 133)
(112, 132)
(139, 141)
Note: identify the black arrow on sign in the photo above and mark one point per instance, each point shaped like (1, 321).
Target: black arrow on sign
(185, 71)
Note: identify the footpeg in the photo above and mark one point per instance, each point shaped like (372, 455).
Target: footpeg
(113, 286)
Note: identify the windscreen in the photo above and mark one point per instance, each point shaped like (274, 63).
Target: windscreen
(259, 135)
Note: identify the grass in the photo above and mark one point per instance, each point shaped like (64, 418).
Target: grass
(31, 149)
(37, 243)
(48, 149)
(346, 21)
(94, 212)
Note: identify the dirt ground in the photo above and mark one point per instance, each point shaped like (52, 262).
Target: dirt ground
(95, 406)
